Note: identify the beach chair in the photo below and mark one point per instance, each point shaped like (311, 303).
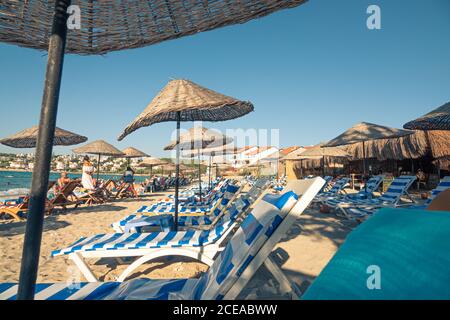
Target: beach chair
(200, 208)
(245, 253)
(336, 189)
(358, 209)
(444, 184)
(66, 196)
(202, 245)
(189, 197)
(19, 210)
(372, 185)
(135, 223)
(407, 249)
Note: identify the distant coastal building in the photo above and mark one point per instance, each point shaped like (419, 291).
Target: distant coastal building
(250, 155)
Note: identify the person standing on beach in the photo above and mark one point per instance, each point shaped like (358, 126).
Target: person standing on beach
(86, 179)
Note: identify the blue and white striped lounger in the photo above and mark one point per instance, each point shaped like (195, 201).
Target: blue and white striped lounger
(202, 245)
(444, 184)
(356, 209)
(336, 189)
(246, 251)
(366, 193)
(134, 222)
(192, 208)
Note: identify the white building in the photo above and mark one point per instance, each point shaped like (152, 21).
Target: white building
(252, 155)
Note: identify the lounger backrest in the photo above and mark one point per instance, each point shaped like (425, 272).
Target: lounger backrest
(245, 201)
(339, 185)
(257, 256)
(326, 185)
(397, 188)
(228, 196)
(66, 191)
(372, 184)
(222, 273)
(444, 184)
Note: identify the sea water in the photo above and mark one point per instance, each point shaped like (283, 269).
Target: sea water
(22, 180)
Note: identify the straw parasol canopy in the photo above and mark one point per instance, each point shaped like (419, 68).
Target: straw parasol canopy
(413, 146)
(319, 156)
(319, 151)
(28, 138)
(110, 25)
(151, 161)
(194, 102)
(131, 152)
(99, 147)
(200, 138)
(183, 100)
(365, 131)
(438, 119)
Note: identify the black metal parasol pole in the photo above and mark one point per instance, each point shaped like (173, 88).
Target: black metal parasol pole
(177, 171)
(47, 123)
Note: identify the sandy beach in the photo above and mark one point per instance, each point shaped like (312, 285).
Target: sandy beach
(302, 254)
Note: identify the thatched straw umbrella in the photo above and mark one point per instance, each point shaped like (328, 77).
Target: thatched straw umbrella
(217, 152)
(103, 31)
(199, 138)
(150, 162)
(324, 152)
(184, 100)
(438, 119)
(205, 142)
(364, 131)
(131, 152)
(28, 138)
(99, 148)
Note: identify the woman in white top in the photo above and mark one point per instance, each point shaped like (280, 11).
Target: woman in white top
(86, 179)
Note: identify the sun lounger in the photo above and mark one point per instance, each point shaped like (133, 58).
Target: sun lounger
(202, 245)
(244, 254)
(398, 254)
(372, 185)
(66, 196)
(184, 208)
(19, 210)
(134, 223)
(444, 184)
(336, 189)
(190, 197)
(356, 209)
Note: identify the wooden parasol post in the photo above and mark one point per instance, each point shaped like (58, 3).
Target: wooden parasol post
(47, 123)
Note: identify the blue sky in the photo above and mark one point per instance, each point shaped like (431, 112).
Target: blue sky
(312, 72)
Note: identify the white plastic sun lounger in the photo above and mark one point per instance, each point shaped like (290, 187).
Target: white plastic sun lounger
(444, 184)
(372, 185)
(135, 222)
(202, 245)
(246, 251)
(355, 209)
(193, 208)
(336, 189)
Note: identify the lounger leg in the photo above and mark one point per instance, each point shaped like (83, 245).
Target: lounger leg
(79, 262)
(286, 286)
(164, 253)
